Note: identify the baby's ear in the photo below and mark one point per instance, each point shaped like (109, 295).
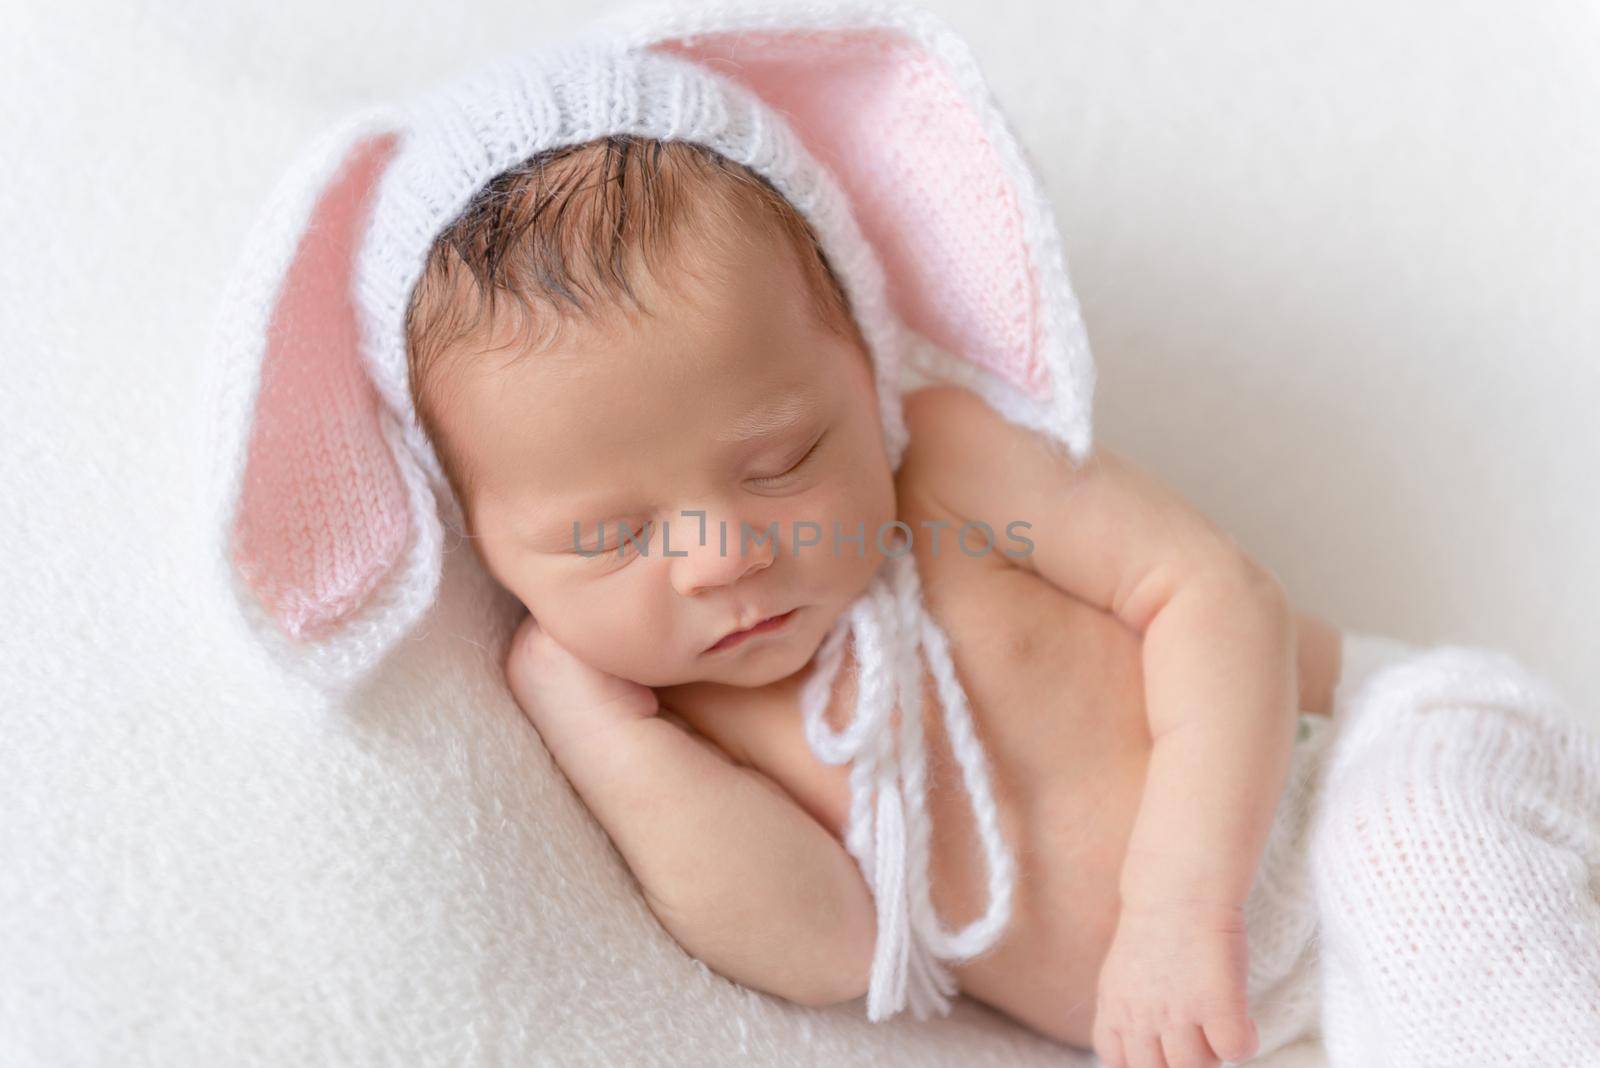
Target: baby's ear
(319, 519)
(891, 100)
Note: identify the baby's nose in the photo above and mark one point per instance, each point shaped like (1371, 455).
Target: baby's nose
(726, 555)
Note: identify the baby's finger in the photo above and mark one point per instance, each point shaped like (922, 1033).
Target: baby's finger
(1108, 1047)
(1232, 1037)
(1144, 1049)
(1185, 1047)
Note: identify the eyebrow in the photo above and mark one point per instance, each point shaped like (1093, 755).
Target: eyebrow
(779, 415)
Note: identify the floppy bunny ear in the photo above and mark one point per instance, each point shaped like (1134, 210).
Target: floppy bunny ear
(322, 521)
(892, 102)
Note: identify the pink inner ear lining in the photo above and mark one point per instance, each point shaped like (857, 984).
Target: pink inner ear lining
(323, 513)
(926, 185)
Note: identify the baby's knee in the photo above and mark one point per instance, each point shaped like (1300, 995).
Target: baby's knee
(1459, 796)
(1461, 754)
(1371, 816)
(1405, 812)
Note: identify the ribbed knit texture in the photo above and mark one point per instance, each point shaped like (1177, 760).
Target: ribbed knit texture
(1430, 891)
(323, 458)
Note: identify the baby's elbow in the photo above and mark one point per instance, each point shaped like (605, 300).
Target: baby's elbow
(827, 996)
(856, 977)
(851, 974)
(1251, 581)
(1267, 585)
(854, 938)
(860, 936)
(813, 988)
(842, 985)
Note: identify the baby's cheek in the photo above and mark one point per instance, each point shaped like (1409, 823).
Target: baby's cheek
(806, 526)
(857, 497)
(650, 634)
(576, 615)
(849, 525)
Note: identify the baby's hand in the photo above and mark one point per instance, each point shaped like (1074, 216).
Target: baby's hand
(570, 702)
(1172, 989)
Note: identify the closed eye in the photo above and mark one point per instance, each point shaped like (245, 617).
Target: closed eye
(796, 466)
(631, 540)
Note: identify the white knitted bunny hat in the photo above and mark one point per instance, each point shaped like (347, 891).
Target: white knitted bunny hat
(327, 504)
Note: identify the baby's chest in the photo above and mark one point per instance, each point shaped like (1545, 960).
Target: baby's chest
(1055, 689)
(1055, 685)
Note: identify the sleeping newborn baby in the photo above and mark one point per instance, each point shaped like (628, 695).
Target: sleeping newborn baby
(666, 444)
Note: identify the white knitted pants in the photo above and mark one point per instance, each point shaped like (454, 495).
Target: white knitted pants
(1430, 892)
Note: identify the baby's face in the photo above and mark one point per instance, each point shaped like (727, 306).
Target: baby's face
(732, 401)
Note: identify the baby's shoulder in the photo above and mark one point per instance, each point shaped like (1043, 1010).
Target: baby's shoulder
(938, 420)
(964, 456)
(965, 464)
(944, 423)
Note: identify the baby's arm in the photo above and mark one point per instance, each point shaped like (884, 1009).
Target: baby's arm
(1221, 692)
(739, 874)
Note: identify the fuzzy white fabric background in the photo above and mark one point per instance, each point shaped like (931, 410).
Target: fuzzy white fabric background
(1336, 261)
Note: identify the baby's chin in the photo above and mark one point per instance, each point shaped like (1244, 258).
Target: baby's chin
(772, 667)
(772, 660)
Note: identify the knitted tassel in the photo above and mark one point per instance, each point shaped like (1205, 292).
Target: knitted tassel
(888, 829)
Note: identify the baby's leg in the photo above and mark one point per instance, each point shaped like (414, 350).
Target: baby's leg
(1455, 862)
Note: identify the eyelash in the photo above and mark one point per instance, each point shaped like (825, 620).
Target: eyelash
(610, 552)
(796, 465)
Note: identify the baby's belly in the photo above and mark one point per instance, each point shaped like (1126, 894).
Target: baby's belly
(1057, 694)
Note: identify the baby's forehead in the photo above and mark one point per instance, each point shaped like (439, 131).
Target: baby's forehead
(666, 376)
